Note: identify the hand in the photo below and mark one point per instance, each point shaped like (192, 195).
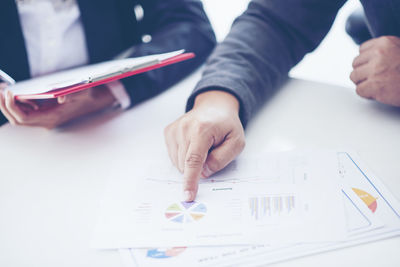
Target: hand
(377, 70)
(52, 113)
(206, 139)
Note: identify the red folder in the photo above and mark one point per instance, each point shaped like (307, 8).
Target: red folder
(79, 86)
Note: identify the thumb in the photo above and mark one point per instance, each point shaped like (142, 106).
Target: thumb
(222, 155)
(31, 103)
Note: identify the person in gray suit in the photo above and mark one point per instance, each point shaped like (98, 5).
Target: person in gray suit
(265, 42)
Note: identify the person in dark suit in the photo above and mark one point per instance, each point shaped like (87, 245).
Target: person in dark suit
(263, 45)
(44, 36)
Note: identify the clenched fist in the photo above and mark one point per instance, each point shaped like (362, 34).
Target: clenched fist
(377, 70)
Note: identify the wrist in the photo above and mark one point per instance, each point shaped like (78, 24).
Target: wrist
(119, 92)
(217, 99)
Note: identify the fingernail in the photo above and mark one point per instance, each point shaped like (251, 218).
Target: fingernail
(187, 196)
(206, 171)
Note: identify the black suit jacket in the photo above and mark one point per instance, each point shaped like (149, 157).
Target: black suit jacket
(274, 35)
(111, 27)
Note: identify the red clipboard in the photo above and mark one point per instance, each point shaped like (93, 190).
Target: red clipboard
(82, 86)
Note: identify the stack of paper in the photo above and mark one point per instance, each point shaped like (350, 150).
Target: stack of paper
(259, 210)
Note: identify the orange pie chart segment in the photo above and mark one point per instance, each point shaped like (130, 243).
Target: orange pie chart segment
(367, 198)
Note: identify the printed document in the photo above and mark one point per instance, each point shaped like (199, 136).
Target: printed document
(280, 198)
(372, 213)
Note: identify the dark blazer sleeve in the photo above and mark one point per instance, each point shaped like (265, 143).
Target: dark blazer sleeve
(2, 119)
(173, 25)
(263, 45)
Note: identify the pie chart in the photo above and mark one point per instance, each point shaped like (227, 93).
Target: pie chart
(367, 198)
(185, 212)
(159, 253)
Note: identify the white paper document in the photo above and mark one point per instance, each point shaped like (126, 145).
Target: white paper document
(371, 212)
(283, 198)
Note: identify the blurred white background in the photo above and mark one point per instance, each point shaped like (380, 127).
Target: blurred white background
(330, 63)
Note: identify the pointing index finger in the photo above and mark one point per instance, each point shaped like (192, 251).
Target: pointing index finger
(194, 161)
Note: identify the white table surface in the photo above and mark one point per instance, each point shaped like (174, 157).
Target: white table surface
(51, 181)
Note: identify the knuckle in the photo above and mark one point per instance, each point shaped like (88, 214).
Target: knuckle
(52, 125)
(382, 96)
(377, 62)
(22, 119)
(379, 52)
(241, 143)
(214, 163)
(382, 90)
(362, 47)
(194, 160)
(359, 90)
(353, 76)
(385, 40)
(198, 124)
(376, 85)
(380, 40)
(354, 63)
(379, 68)
(364, 90)
(203, 127)
(184, 124)
(167, 130)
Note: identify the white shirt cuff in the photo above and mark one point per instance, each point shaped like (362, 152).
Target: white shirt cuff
(119, 92)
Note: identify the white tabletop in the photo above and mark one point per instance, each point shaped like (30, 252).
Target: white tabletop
(51, 181)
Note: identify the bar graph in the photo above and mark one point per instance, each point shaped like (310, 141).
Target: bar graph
(262, 207)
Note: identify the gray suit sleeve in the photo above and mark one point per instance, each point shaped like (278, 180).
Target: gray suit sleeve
(265, 42)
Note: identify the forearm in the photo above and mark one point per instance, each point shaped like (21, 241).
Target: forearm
(263, 45)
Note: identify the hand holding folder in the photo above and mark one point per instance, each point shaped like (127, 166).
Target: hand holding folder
(78, 79)
(19, 101)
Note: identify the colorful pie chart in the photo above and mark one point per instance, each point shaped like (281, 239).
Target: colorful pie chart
(161, 253)
(185, 212)
(367, 198)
